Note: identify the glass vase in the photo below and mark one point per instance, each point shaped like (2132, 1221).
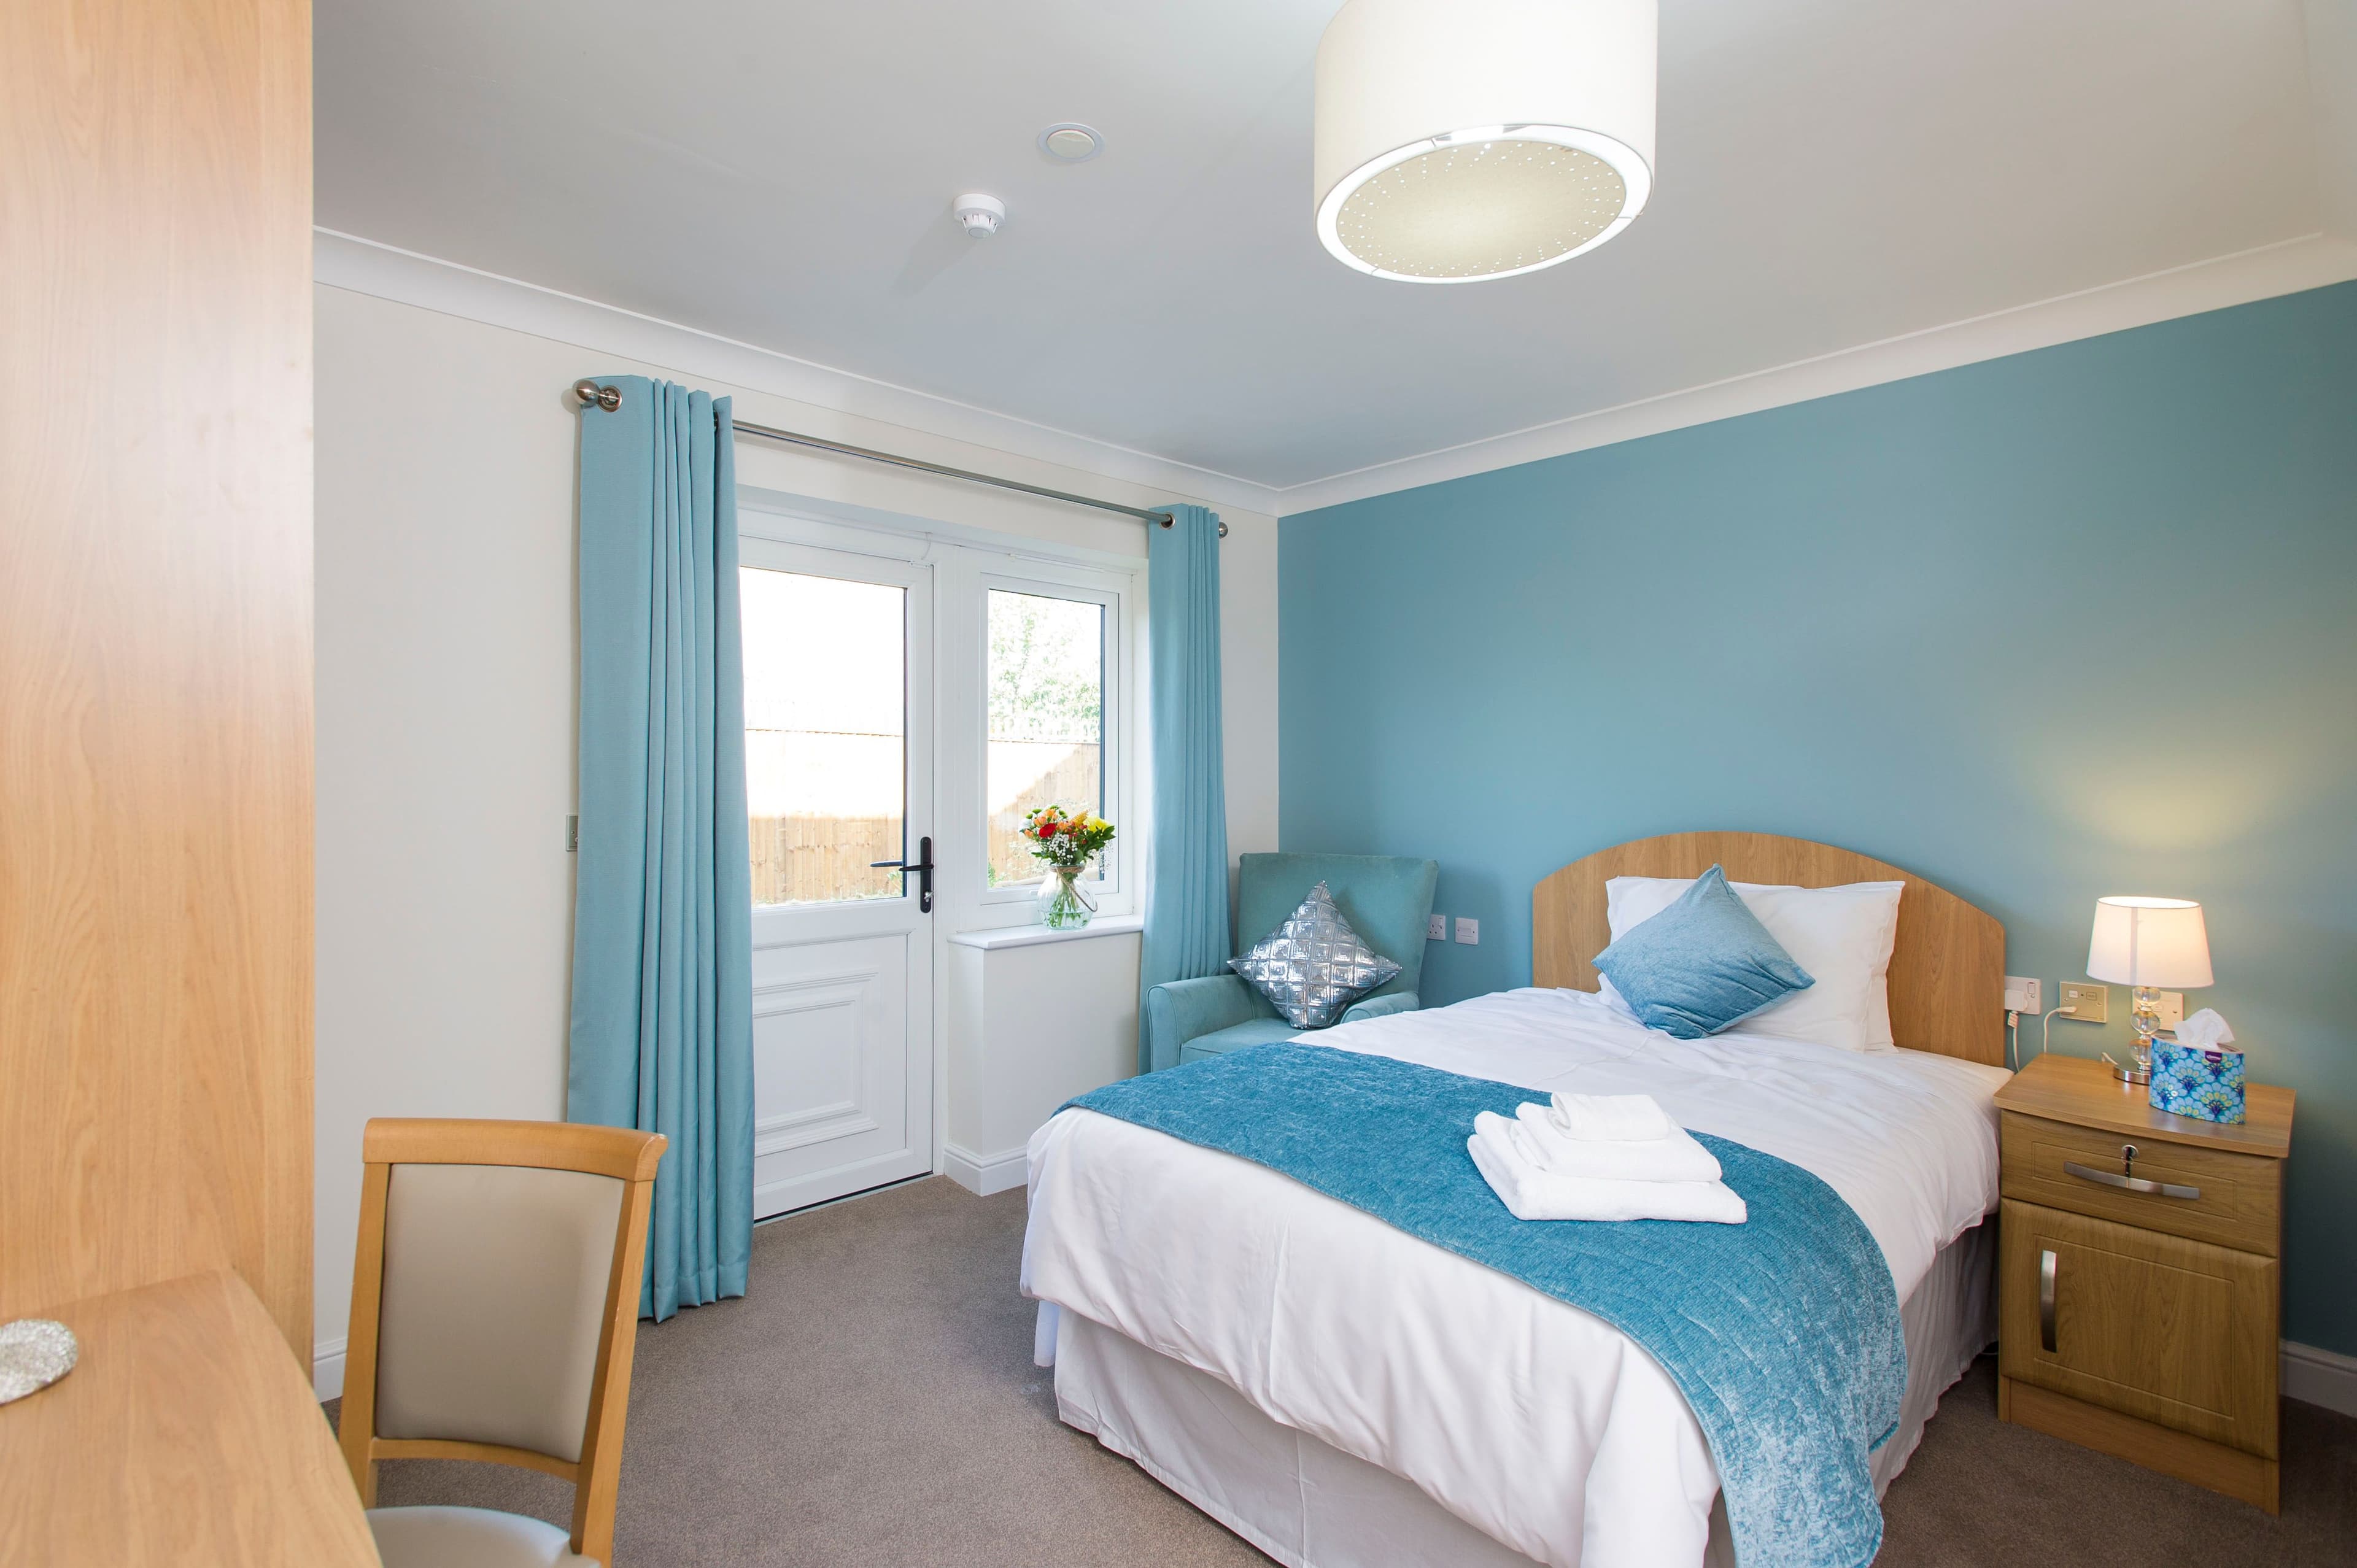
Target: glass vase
(1062, 906)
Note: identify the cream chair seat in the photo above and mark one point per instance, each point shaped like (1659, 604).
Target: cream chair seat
(495, 1309)
(469, 1538)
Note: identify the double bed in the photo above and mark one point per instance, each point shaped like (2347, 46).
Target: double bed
(1344, 1394)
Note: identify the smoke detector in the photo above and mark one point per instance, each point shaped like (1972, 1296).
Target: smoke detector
(979, 215)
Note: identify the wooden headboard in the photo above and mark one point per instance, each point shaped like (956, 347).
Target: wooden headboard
(1947, 967)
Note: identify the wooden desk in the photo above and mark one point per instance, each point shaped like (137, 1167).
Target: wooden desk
(186, 1435)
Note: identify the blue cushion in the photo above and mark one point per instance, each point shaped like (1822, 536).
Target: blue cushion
(1703, 964)
(1255, 1032)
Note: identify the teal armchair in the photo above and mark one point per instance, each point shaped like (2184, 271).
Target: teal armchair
(1386, 898)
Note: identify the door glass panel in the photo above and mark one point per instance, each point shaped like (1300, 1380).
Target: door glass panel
(826, 734)
(1047, 720)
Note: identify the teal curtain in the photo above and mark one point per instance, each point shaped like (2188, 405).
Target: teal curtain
(661, 1035)
(1187, 896)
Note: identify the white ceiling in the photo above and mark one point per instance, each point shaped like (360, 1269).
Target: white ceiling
(1832, 173)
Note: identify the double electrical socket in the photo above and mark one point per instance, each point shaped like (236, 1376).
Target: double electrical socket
(2088, 1004)
(1469, 931)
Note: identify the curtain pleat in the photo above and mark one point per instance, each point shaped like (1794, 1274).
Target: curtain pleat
(661, 1028)
(1187, 896)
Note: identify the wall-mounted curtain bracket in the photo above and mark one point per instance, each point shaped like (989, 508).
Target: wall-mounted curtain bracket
(609, 398)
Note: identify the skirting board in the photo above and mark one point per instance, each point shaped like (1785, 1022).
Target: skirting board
(2320, 1377)
(327, 1369)
(983, 1175)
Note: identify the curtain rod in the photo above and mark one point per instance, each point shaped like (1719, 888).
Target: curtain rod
(609, 398)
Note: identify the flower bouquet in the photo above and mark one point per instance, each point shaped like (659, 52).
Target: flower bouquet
(1066, 843)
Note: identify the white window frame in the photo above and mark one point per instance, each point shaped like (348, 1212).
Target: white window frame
(969, 562)
(1112, 593)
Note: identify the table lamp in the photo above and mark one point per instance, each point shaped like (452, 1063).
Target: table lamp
(2148, 943)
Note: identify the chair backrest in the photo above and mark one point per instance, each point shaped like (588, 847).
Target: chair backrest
(495, 1301)
(1386, 898)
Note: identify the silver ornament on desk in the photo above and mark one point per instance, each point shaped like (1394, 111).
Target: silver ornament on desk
(34, 1353)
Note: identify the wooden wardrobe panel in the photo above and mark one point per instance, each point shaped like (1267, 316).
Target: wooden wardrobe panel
(155, 1102)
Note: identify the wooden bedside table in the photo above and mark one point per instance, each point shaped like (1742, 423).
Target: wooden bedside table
(2139, 1288)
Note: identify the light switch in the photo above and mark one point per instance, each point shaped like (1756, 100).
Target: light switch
(1468, 931)
(1437, 929)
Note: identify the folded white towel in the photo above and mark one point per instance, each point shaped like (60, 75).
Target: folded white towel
(1611, 1118)
(1677, 1157)
(1530, 1193)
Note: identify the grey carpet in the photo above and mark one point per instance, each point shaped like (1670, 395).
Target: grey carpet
(873, 1401)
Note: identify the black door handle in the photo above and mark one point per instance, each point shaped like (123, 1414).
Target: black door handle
(922, 865)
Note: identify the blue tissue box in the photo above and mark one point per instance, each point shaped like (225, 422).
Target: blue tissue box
(2205, 1085)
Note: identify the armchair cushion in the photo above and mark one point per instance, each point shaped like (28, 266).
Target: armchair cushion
(1379, 1007)
(1178, 1011)
(1258, 1032)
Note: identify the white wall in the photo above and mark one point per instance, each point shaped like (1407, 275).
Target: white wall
(446, 700)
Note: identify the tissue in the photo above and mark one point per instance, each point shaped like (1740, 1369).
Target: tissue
(2196, 1075)
(2205, 1031)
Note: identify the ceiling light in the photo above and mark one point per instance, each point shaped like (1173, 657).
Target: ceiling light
(1465, 139)
(1071, 143)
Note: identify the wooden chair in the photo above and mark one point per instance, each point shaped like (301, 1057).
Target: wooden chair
(495, 1307)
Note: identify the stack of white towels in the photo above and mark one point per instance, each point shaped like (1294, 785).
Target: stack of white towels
(1600, 1156)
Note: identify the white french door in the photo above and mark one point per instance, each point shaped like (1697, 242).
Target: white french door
(839, 713)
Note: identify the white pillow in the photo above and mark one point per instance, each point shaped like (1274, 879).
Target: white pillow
(1840, 935)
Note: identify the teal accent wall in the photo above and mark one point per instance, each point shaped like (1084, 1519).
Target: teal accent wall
(2074, 622)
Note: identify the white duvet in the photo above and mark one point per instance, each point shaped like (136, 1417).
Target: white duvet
(1526, 1417)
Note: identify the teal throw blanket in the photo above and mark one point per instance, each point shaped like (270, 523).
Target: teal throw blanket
(1782, 1332)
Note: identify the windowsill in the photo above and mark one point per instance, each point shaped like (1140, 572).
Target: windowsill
(1032, 936)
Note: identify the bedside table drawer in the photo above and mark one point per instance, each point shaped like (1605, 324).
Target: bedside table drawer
(2174, 1332)
(2207, 1195)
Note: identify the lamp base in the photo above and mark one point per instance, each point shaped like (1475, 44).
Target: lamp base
(2129, 1072)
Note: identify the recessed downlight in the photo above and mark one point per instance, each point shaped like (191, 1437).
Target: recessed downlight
(1071, 143)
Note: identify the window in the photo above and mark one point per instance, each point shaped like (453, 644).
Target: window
(1047, 711)
(825, 734)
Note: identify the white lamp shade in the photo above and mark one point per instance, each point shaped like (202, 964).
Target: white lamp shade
(2149, 941)
(1464, 139)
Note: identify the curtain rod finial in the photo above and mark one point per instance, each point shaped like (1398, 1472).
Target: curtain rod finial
(589, 392)
(1167, 520)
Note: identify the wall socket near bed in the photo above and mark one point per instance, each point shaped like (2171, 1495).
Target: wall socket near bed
(2094, 1003)
(2023, 995)
(1437, 929)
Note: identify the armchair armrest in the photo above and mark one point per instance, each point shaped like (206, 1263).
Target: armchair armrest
(1177, 1010)
(1380, 1007)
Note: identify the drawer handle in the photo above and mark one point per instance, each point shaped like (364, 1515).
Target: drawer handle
(2129, 1183)
(2046, 1298)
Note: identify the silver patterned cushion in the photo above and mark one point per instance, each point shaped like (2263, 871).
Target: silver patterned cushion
(1313, 965)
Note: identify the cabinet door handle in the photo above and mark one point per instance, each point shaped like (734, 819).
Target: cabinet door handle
(2046, 1298)
(2129, 1183)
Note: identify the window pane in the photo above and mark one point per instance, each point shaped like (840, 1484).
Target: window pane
(1047, 720)
(825, 734)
